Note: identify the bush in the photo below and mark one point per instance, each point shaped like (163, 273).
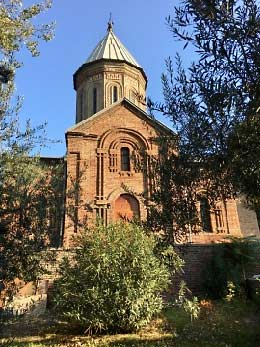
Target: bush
(231, 264)
(113, 281)
(215, 275)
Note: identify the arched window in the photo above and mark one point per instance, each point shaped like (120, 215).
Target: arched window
(94, 100)
(125, 159)
(115, 94)
(205, 215)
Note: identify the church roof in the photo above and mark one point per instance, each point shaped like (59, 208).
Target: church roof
(110, 47)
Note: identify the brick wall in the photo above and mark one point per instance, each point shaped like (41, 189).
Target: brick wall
(196, 257)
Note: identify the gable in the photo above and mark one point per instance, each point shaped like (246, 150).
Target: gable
(122, 114)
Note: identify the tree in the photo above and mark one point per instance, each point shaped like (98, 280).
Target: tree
(28, 189)
(18, 29)
(214, 103)
(29, 218)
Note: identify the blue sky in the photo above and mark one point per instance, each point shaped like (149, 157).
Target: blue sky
(45, 82)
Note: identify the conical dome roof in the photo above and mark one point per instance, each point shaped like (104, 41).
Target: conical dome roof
(110, 47)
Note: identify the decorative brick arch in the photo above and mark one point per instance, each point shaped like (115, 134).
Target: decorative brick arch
(126, 207)
(112, 137)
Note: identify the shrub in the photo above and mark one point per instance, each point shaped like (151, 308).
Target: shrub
(231, 264)
(215, 275)
(113, 281)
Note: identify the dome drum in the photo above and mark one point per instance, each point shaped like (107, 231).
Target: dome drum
(106, 82)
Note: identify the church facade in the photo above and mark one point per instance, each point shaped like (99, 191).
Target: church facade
(103, 148)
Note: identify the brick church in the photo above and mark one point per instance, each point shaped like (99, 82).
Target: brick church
(112, 128)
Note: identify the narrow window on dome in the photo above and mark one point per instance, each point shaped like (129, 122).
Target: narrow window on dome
(125, 159)
(115, 94)
(94, 100)
(81, 105)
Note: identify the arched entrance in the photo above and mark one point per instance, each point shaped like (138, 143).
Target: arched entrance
(126, 207)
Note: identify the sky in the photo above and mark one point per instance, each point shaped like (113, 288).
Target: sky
(46, 82)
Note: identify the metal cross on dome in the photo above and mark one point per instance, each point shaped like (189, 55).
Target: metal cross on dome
(110, 23)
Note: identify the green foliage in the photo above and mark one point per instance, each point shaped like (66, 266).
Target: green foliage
(231, 291)
(174, 195)
(30, 193)
(215, 275)
(29, 190)
(230, 265)
(188, 303)
(167, 255)
(192, 307)
(113, 281)
(213, 105)
(244, 253)
(17, 28)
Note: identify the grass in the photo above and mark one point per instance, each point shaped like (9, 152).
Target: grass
(220, 323)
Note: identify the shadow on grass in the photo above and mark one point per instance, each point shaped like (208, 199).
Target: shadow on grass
(167, 341)
(71, 341)
(46, 331)
(41, 326)
(234, 324)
